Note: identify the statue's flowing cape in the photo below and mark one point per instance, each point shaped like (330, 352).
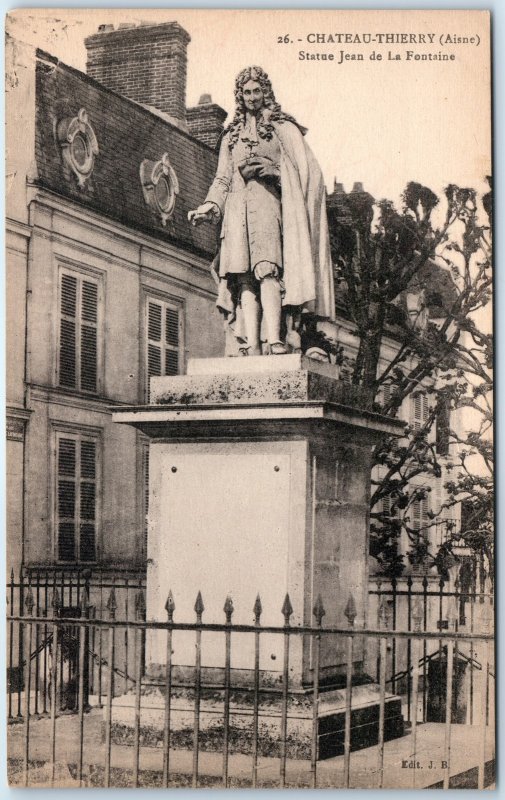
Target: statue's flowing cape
(308, 275)
(307, 268)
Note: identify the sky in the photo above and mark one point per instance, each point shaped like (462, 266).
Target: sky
(382, 122)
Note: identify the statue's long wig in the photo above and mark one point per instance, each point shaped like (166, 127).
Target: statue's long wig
(276, 114)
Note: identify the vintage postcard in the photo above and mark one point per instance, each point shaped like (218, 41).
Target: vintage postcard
(250, 534)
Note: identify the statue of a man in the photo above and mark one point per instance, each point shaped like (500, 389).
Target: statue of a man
(269, 195)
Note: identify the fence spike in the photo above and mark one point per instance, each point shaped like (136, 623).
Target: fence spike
(228, 609)
(319, 610)
(287, 609)
(199, 606)
(140, 605)
(29, 601)
(12, 574)
(258, 608)
(350, 610)
(112, 602)
(170, 606)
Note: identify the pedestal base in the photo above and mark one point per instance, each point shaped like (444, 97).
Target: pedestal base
(331, 721)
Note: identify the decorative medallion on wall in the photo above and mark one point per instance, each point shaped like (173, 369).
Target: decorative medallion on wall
(160, 186)
(79, 145)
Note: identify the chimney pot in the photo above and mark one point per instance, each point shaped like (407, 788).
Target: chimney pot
(358, 187)
(205, 99)
(105, 28)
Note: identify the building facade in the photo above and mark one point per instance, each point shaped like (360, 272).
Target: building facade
(107, 284)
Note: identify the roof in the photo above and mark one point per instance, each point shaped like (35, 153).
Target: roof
(127, 133)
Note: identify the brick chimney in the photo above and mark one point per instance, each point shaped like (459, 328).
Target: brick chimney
(205, 121)
(147, 63)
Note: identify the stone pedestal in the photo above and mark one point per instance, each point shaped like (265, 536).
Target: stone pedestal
(259, 484)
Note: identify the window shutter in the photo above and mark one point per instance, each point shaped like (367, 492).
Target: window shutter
(172, 341)
(78, 346)
(66, 499)
(76, 499)
(154, 345)
(420, 518)
(68, 325)
(163, 340)
(419, 410)
(89, 319)
(443, 426)
(385, 394)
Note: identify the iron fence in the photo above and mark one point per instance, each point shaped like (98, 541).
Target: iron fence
(440, 605)
(196, 694)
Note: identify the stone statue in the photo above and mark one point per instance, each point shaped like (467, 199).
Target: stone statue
(268, 194)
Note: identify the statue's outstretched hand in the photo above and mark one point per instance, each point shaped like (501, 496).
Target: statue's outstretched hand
(207, 212)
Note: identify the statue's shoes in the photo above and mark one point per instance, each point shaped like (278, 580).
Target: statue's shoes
(278, 349)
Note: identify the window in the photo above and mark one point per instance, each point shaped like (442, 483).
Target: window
(163, 339)
(76, 496)
(78, 332)
(443, 423)
(419, 410)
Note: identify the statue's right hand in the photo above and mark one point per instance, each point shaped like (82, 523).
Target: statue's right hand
(204, 213)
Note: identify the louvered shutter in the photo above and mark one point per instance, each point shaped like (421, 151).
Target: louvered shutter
(419, 410)
(78, 346)
(172, 341)
(66, 499)
(76, 498)
(420, 518)
(154, 343)
(385, 394)
(68, 331)
(87, 531)
(163, 340)
(89, 319)
(443, 426)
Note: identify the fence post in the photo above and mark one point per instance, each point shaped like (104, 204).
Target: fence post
(29, 604)
(350, 613)
(111, 606)
(140, 608)
(55, 605)
(319, 613)
(417, 616)
(199, 609)
(228, 610)
(170, 608)
(381, 669)
(257, 614)
(287, 610)
(10, 602)
(84, 603)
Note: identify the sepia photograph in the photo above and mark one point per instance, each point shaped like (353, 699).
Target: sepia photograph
(249, 396)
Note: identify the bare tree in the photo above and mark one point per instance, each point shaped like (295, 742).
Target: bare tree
(420, 276)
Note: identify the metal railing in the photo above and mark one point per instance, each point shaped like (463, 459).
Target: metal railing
(438, 605)
(30, 626)
(42, 584)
